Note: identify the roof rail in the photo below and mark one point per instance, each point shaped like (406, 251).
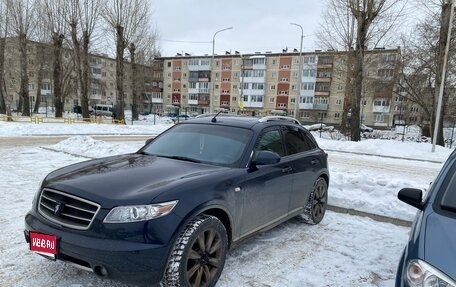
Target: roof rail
(279, 118)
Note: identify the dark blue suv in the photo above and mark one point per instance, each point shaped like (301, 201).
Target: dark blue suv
(429, 259)
(170, 212)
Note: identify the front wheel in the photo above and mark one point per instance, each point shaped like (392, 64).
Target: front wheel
(198, 255)
(318, 201)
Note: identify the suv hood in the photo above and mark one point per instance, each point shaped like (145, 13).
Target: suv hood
(440, 243)
(126, 179)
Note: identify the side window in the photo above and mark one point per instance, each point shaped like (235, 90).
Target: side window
(297, 141)
(270, 140)
(449, 197)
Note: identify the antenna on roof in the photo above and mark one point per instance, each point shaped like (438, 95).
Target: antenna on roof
(214, 120)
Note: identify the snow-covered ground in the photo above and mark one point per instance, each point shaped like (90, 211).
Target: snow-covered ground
(341, 251)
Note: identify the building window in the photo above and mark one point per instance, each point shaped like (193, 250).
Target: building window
(274, 61)
(306, 100)
(283, 93)
(295, 74)
(337, 115)
(284, 80)
(272, 87)
(309, 73)
(233, 99)
(282, 105)
(321, 100)
(338, 102)
(293, 87)
(46, 86)
(271, 100)
(308, 86)
(169, 64)
(385, 73)
(293, 100)
(285, 67)
(305, 114)
(256, 99)
(381, 102)
(379, 118)
(309, 59)
(225, 79)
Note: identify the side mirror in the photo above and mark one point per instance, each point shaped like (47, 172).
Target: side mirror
(265, 157)
(149, 140)
(411, 196)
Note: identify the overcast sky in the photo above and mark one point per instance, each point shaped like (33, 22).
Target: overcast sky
(258, 26)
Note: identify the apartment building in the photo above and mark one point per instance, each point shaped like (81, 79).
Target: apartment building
(272, 83)
(102, 75)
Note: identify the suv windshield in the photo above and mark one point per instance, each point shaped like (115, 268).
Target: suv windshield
(221, 145)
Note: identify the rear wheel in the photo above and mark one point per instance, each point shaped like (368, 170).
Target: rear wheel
(318, 201)
(198, 255)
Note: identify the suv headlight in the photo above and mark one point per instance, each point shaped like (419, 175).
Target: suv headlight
(421, 274)
(135, 213)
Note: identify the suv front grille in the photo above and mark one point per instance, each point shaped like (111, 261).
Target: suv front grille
(67, 210)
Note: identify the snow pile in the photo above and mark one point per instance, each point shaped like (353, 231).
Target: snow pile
(410, 150)
(89, 147)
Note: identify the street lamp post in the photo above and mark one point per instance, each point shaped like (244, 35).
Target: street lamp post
(298, 100)
(211, 100)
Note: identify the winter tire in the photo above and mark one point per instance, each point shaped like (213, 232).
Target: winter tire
(198, 255)
(318, 201)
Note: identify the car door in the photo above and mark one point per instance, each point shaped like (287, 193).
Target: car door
(306, 161)
(266, 190)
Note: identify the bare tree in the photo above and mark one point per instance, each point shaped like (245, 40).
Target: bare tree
(3, 34)
(83, 19)
(422, 62)
(353, 25)
(55, 11)
(126, 18)
(22, 22)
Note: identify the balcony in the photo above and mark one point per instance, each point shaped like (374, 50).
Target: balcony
(157, 100)
(95, 97)
(381, 109)
(320, 93)
(193, 102)
(306, 106)
(250, 104)
(45, 92)
(321, 107)
(323, 80)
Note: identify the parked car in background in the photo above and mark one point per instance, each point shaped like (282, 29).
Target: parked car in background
(180, 118)
(365, 128)
(170, 212)
(103, 110)
(429, 256)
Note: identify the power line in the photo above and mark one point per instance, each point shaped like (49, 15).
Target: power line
(193, 42)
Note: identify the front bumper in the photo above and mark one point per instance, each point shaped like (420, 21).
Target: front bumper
(111, 258)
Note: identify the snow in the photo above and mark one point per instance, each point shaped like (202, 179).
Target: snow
(342, 250)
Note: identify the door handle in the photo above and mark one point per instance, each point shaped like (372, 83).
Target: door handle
(287, 169)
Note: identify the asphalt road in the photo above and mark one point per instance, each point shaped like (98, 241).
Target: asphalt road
(6, 142)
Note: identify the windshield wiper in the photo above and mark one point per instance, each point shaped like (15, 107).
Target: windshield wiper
(182, 158)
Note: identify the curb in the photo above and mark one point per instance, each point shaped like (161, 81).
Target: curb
(376, 217)
(384, 156)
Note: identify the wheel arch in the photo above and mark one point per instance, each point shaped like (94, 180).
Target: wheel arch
(216, 210)
(325, 176)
